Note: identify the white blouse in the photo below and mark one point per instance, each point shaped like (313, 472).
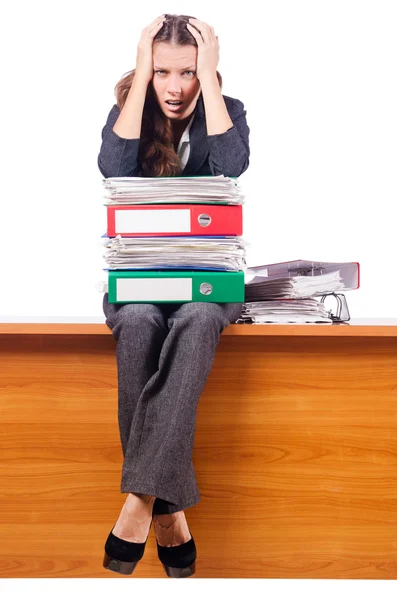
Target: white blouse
(184, 144)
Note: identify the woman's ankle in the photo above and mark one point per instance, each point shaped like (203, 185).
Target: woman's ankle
(134, 520)
(171, 529)
(145, 497)
(140, 504)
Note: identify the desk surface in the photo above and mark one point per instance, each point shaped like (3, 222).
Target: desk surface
(95, 326)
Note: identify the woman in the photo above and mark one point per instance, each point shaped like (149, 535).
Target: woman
(170, 120)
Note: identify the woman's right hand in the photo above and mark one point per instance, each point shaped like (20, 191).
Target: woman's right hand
(144, 59)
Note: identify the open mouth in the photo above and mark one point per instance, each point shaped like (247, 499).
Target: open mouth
(174, 102)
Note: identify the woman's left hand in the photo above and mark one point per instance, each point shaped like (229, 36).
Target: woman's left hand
(208, 47)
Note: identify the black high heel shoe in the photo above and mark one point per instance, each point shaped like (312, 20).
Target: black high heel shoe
(122, 556)
(178, 561)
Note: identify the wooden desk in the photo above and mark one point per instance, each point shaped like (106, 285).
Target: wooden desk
(295, 453)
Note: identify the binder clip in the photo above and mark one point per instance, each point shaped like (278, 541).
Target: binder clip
(342, 312)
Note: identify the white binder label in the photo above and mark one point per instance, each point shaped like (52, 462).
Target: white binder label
(152, 289)
(152, 221)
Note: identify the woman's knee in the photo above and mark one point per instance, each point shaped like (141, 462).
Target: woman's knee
(134, 315)
(141, 315)
(206, 313)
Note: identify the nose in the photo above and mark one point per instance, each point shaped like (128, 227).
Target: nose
(174, 86)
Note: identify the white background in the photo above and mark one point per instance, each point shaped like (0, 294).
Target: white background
(318, 81)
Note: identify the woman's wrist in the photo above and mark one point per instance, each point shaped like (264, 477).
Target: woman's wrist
(140, 82)
(209, 78)
(216, 114)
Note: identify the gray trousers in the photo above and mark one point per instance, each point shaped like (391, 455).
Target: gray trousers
(164, 356)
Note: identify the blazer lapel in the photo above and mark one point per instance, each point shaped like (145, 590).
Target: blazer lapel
(198, 140)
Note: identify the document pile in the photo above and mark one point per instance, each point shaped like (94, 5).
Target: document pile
(174, 239)
(285, 292)
(175, 190)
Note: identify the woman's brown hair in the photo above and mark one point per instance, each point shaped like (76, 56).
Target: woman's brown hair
(157, 155)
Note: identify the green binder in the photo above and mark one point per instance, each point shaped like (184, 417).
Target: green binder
(175, 286)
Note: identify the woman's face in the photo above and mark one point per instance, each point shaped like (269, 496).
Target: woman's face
(174, 78)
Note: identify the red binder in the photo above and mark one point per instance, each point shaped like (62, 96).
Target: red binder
(174, 220)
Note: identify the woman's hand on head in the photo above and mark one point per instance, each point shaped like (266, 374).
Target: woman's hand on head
(144, 59)
(208, 47)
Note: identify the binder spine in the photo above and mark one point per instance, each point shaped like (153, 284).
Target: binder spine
(175, 286)
(156, 220)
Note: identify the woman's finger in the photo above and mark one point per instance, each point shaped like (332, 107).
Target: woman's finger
(203, 28)
(195, 34)
(213, 32)
(156, 27)
(154, 23)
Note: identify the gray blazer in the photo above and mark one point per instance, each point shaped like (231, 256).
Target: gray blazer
(220, 154)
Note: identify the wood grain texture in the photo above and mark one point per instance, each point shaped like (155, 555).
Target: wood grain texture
(295, 455)
(371, 329)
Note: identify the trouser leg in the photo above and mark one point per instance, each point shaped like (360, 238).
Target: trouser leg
(151, 373)
(140, 331)
(158, 459)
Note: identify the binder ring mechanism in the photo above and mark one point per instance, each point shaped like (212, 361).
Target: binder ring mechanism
(342, 312)
(204, 220)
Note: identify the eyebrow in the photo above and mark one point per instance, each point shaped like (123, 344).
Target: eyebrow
(185, 69)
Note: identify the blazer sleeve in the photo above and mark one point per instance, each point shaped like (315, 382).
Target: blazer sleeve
(229, 152)
(118, 157)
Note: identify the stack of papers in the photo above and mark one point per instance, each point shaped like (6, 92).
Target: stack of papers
(178, 251)
(284, 292)
(286, 311)
(172, 190)
(301, 286)
(182, 253)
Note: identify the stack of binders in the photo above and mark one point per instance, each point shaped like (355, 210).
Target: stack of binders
(174, 239)
(286, 292)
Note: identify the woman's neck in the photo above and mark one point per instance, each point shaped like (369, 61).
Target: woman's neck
(178, 127)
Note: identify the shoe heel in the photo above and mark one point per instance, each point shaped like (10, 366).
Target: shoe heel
(178, 561)
(178, 572)
(119, 566)
(122, 556)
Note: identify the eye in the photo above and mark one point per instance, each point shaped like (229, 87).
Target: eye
(161, 71)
